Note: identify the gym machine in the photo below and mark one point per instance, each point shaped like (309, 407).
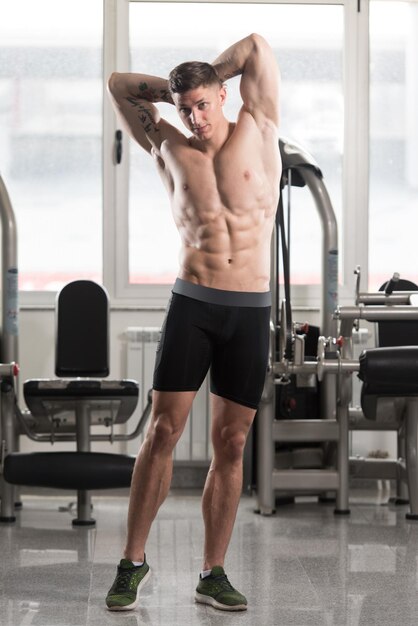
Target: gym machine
(62, 409)
(388, 373)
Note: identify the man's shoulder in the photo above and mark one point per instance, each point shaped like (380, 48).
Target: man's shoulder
(171, 140)
(173, 137)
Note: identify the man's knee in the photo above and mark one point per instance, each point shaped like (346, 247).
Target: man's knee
(164, 432)
(230, 444)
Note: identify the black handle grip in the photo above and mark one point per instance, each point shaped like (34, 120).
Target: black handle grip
(118, 137)
(391, 284)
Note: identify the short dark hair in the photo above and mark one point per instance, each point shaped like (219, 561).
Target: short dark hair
(191, 75)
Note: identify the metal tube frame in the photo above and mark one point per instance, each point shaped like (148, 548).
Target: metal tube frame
(306, 169)
(376, 313)
(7, 490)
(56, 437)
(10, 312)
(411, 443)
(83, 445)
(9, 339)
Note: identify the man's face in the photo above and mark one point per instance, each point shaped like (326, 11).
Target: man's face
(200, 109)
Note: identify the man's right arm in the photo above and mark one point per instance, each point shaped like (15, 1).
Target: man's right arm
(254, 60)
(133, 96)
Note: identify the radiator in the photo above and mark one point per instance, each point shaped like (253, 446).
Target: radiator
(194, 444)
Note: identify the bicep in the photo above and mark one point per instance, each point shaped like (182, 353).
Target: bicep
(260, 83)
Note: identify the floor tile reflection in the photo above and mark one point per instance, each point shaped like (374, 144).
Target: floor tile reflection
(301, 567)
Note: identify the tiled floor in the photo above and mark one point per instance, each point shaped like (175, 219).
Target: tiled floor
(303, 566)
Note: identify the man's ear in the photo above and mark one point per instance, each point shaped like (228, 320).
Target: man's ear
(222, 94)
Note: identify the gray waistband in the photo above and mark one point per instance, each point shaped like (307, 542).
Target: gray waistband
(221, 296)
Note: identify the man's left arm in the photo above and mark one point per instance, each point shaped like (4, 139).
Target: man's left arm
(254, 60)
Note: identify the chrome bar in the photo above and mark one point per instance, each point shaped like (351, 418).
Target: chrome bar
(83, 445)
(56, 437)
(331, 366)
(411, 438)
(377, 313)
(329, 250)
(10, 313)
(7, 491)
(397, 297)
(265, 449)
(342, 505)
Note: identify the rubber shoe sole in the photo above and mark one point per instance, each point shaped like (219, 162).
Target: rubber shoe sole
(133, 605)
(202, 599)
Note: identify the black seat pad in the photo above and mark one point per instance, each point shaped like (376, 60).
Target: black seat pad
(390, 371)
(69, 470)
(63, 388)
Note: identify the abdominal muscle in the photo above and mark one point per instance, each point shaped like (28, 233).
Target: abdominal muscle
(227, 250)
(211, 270)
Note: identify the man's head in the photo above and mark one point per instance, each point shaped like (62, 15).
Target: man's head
(199, 95)
(192, 74)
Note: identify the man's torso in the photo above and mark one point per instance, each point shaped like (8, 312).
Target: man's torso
(224, 206)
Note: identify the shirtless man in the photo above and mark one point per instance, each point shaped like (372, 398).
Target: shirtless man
(223, 184)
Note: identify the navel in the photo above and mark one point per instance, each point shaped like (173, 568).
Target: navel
(229, 260)
(185, 187)
(247, 175)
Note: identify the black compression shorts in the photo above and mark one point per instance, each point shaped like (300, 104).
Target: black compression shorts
(227, 331)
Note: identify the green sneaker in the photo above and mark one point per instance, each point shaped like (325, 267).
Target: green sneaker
(123, 594)
(217, 591)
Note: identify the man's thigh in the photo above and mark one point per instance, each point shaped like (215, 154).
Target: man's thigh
(184, 351)
(172, 407)
(239, 366)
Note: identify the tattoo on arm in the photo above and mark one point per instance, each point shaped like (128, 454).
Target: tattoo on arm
(227, 70)
(144, 115)
(231, 74)
(154, 95)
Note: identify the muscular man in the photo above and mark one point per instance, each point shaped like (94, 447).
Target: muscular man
(223, 182)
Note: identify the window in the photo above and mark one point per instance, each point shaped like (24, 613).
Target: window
(308, 42)
(50, 136)
(393, 214)
(51, 83)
